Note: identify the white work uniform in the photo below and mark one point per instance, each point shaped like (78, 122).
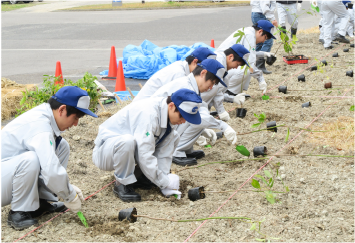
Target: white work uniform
(235, 75)
(349, 27)
(133, 135)
(321, 21)
(329, 10)
(188, 132)
(31, 165)
(166, 75)
(265, 7)
(288, 11)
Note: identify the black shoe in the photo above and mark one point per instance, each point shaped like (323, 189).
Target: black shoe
(341, 38)
(143, 183)
(321, 41)
(46, 208)
(329, 47)
(260, 64)
(126, 193)
(20, 220)
(293, 32)
(197, 154)
(183, 161)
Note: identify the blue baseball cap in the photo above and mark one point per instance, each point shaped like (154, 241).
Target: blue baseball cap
(346, 3)
(242, 52)
(75, 97)
(214, 67)
(202, 53)
(188, 104)
(266, 25)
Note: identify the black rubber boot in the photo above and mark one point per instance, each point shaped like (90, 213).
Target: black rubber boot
(260, 64)
(329, 47)
(126, 193)
(284, 31)
(143, 183)
(321, 41)
(341, 38)
(20, 220)
(46, 208)
(183, 161)
(197, 154)
(293, 32)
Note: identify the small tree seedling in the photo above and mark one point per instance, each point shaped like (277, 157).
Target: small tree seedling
(261, 119)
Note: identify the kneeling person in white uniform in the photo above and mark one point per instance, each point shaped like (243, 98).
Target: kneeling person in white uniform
(34, 158)
(143, 133)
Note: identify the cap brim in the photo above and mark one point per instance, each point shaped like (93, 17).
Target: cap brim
(87, 111)
(272, 36)
(223, 83)
(191, 118)
(246, 62)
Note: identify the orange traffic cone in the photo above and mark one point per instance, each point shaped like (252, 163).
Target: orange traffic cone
(212, 43)
(120, 82)
(112, 70)
(58, 73)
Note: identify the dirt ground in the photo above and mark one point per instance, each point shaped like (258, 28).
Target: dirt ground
(318, 208)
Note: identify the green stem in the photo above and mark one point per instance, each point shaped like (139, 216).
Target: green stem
(261, 130)
(189, 220)
(241, 190)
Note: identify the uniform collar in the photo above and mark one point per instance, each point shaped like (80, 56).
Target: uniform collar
(54, 125)
(193, 82)
(186, 67)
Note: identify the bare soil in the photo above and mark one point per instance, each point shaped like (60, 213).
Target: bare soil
(318, 208)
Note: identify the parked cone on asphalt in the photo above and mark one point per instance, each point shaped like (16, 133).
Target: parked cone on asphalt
(112, 70)
(212, 43)
(58, 73)
(120, 82)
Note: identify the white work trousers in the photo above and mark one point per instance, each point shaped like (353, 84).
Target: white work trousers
(329, 10)
(288, 11)
(189, 133)
(349, 26)
(21, 182)
(236, 80)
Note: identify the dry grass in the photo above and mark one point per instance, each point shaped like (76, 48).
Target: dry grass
(158, 5)
(340, 135)
(314, 29)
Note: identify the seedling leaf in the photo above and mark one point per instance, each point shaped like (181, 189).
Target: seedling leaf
(270, 197)
(288, 134)
(207, 146)
(82, 218)
(255, 125)
(265, 97)
(262, 178)
(352, 108)
(255, 184)
(241, 149)
(267, 173)
(253, 227)
(261, 240)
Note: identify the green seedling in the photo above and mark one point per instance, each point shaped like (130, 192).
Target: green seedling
(287, 135)
(352, 108)
(261, 119)
(265, 97)
(267, 185)
(243, 150)
(83, 219)
(208, 146)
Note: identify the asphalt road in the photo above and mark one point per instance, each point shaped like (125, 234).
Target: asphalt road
(34, 40)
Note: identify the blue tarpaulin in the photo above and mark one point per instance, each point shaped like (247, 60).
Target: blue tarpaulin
(141, 62)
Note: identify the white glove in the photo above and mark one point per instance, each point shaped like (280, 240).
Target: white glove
(74, 205)
(314, 3)
(224, 116)
(299, 6)
(78, 191)
(210, 134)
(263, 86)
(173, 187)
(239, 99)
(201, 141)
(231, 135)
(268, 54)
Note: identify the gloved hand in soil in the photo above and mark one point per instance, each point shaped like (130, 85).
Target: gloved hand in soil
(231, 135)
(263, 86)
(210, 134)
(239, 99)
(173, 187)
(268, 54)
(224, 116)
(299, 6)
(75, 205)
(202, 141)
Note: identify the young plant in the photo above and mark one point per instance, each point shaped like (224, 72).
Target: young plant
(261, 119)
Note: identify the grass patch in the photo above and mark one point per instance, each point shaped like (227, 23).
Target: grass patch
(9, 7)
(157, 5)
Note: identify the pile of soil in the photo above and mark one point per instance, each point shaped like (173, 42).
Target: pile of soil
(11, 95)
(318, 208)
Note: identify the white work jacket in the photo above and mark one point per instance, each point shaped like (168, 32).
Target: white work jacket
(216, 94)
(166, 75)
(189, 82)
(35, 131)
(249, 42)
(265, 7)
(146, 121)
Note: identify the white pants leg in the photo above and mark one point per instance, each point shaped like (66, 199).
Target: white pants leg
(237, 80)
(350, 27)
(188, 138)
(19, 182)
(281, 12)
(321, 22)
(117, 153)
(328, 19)
(288, 11)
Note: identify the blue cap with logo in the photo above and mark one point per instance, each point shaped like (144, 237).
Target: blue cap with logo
(241, 51)
(267, 26)
(214, 67)
(188, 104)
(75, 97)
(202, 53)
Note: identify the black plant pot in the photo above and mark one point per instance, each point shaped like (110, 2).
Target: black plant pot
(196, 193)
(259, 150)
(328, 85)
(346, 50)
(351, 45)
(128, 214)
(335, 54)
(306, 105)
(271, 60)
(302, 78)
(324, 62)
(219, 135)
(350, 73)
(241, 112)
(283, 89)
(271, 126)
(314, 68)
